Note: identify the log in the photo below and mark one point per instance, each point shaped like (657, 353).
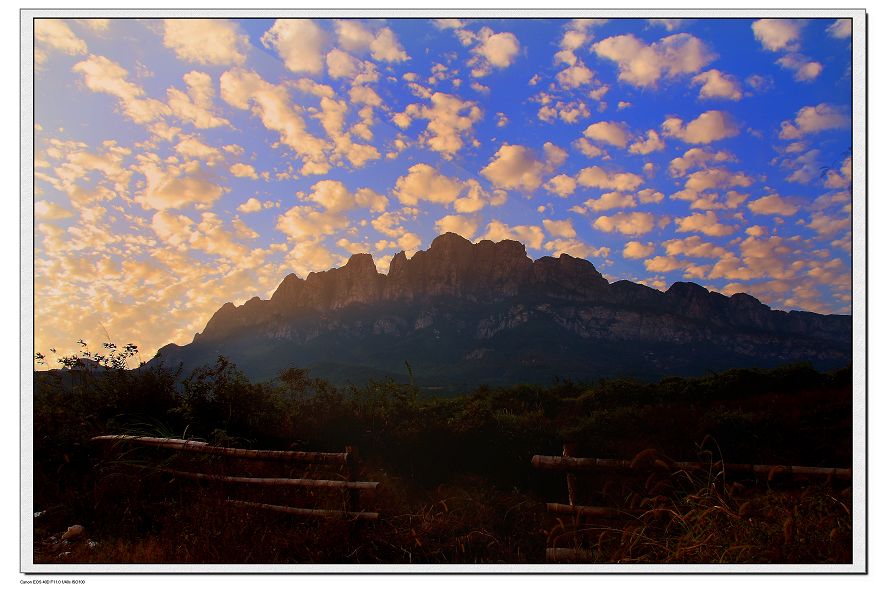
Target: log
(569, 464)
(567, 555)
(297, 482)
(589, 511)
(323, 513)
(204, 448)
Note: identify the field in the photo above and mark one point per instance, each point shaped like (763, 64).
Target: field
(456, 482)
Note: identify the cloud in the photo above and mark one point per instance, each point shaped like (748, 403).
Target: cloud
(610, 132)
(652, 143)
(334, 197)
(693, 246)
(493, 50)
(777, 34)
(826, 225)
(251, 205)
(216, 42)
(716, 178)
(643, 65)
(300, 42)
(386, 48)
(562, 185)
(450, 119)
(650, 196)
(708, 127)
(706, 223)
(516, 167)
(303, 222)
(575, 248)
(465, 226)
(192, 147)
(696, 157)
(105, 76)
(809, 120)
(805, 70)
(196, 105)
(637, 250)
(716, 84)
(56, 34)
(48, 211)
(841, 28)
(560, 228)
(598, 178)
(630, 224)
(176, 187)
(425, 183)
(772, 205)
(670, 24)
(531, 236)
(245, 89)
(613, 200)
(243, 171)
(575, 76)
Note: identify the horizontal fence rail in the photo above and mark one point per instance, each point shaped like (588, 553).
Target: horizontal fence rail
(296, 482)
(359, 515)
(350, 488)
(571, 464)
(235, 452)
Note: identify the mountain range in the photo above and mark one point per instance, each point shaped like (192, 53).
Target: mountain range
(460, 314)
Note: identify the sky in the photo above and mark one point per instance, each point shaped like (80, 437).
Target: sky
(182, 164)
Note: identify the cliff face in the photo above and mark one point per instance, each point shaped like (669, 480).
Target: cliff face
(462, 306)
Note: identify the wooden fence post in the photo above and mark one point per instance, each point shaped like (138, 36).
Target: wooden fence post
(568, 452)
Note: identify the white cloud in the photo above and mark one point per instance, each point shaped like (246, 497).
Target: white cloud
(516, 167)
(386, 48)
(772, 205)
(560, 228)
(531, 236)
(105, 76)
(450, 120)
(598, 178)
(810, 120)
(652, 143)
(304, 222)
(245, 89)
(243, 171)
(48, 211)
(638, 250)
(176, 187)
(610, 132)
(300, 42)
(708, 127)
(612, 200)
(213, 41)
(425, 183)
(696, 157)
(196, 106)
(841, 28)
(463, 225)
(575, 248)
(706, 223)
(575, 76)
(56, 34)
(643, 65)
(496, 50)
(562, 185)
(805, 70)
(630, 224)
(716, 84)
(777, 34)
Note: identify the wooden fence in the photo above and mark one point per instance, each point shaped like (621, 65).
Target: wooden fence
(246, 469)
(610, 504)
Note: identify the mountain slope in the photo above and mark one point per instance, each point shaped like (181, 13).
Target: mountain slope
(462, 314)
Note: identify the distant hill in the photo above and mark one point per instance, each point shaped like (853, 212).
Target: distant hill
(463, 314)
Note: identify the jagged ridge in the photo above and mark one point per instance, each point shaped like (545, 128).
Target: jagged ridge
(476, 293)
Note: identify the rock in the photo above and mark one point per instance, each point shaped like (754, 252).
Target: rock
(74, 532)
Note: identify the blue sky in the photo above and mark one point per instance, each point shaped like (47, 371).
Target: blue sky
(182, 164)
